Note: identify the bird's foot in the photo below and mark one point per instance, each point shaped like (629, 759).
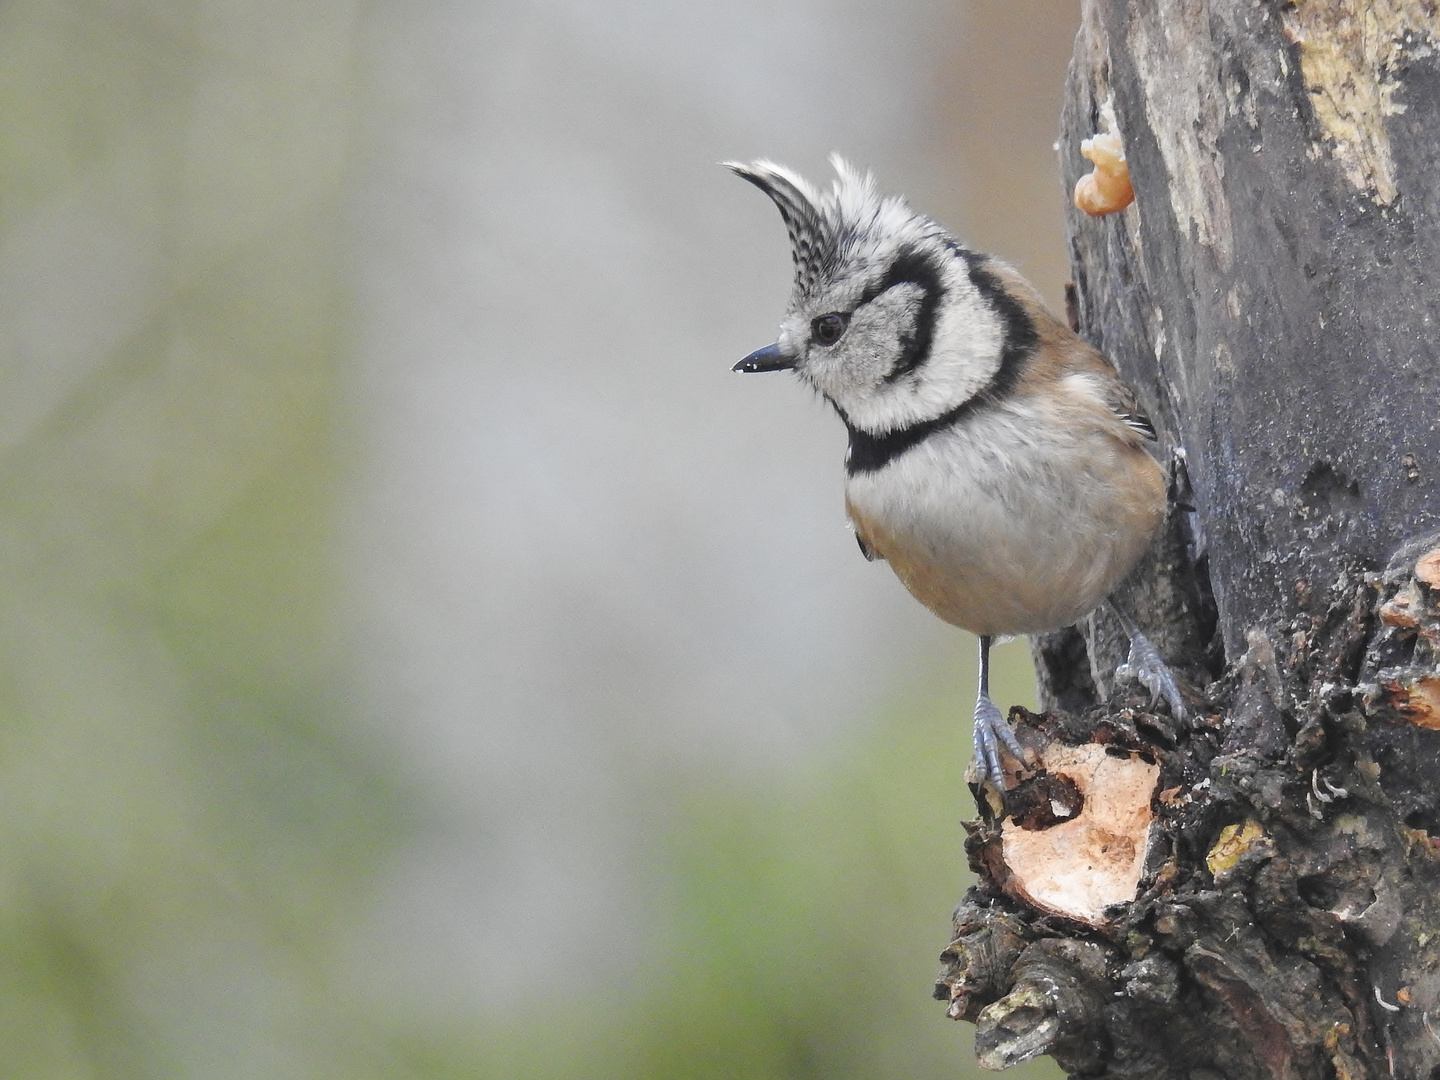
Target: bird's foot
(1145, 667)
(991, 731)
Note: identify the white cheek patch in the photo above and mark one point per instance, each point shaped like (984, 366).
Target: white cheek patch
(878, 330)
(964, 357)
(852, 371)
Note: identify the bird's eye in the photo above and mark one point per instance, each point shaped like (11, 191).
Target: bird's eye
(827, 329)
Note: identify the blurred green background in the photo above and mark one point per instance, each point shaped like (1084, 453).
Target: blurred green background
(217, 770)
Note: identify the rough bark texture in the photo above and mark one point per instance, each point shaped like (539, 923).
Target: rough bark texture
(1271, 296)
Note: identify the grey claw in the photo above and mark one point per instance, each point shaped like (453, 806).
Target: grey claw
(1145, 666)
(990, 731)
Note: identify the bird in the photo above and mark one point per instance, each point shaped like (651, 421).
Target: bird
(996, 460)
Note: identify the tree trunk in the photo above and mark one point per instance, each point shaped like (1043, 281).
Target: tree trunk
(1255, 892)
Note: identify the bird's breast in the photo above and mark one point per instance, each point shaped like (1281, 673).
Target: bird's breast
(1009, 528)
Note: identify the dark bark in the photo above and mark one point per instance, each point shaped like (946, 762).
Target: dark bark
(1272, 297)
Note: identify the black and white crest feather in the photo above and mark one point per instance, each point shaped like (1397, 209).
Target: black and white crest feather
(823, 225)
(812, 237)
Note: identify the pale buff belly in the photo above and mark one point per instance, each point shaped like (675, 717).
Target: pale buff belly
(996, 552)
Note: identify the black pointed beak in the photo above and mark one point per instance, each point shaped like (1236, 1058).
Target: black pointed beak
(770, 358)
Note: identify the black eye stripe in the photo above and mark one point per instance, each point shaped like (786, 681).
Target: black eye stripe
(913, 268)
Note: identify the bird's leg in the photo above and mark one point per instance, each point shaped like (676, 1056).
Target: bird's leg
(1145, 667)
(990, 727)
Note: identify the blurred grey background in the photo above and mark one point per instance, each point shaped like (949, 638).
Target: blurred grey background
(421, 655)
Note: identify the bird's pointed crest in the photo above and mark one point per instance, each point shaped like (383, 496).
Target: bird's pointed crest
(821, 224)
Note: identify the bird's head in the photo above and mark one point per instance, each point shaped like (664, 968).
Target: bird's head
(886, 319)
